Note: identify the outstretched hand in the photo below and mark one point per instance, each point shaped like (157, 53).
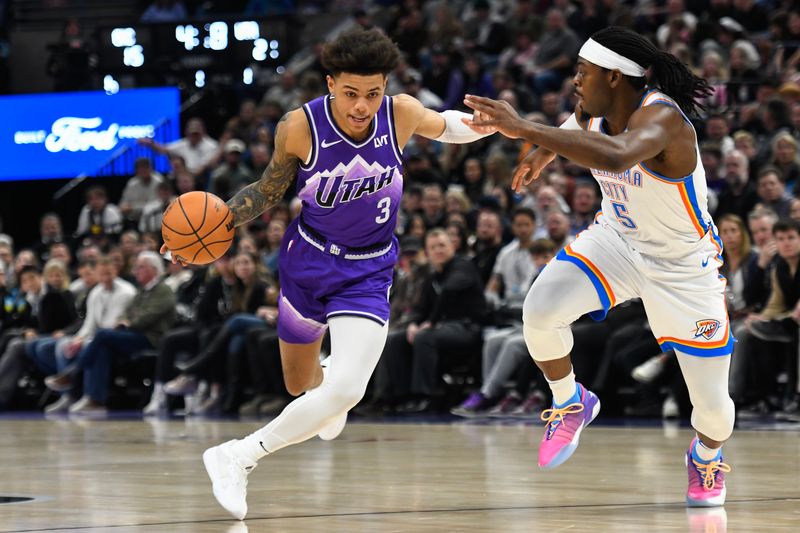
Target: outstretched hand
(495, 114)
(169, 256)
(530, 168)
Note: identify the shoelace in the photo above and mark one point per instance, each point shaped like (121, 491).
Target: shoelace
(709, 472)
(553, 416)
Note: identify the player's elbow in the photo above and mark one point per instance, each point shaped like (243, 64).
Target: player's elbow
(618, 161)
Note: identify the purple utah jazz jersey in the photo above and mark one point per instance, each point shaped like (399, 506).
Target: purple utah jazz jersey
(351, 190)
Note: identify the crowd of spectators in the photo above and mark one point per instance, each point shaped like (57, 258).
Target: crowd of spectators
(77, 307)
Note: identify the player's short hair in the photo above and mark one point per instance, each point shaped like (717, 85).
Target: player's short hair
(786, 225)
(360, 51)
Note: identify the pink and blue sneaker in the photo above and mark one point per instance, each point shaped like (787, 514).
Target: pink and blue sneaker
(706, 479)
(564, 425)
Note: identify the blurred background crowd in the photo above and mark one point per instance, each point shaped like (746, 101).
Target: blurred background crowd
(93, 318)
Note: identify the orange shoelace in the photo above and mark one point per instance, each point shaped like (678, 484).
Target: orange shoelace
(557, 414)
(709, 472)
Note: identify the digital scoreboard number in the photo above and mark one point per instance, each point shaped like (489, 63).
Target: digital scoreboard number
(195, 50)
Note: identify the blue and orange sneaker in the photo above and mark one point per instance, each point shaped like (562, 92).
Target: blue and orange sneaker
(563, 428)
(706, 480)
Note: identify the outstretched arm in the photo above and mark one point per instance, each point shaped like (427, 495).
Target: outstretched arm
(649, 130)
(269, 190)
(414, 118)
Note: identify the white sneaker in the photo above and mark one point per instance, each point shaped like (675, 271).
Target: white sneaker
(670, 408)
(334, 428)
(228, 478)
(86, 407)
(61, 405)
(157, 404)
(649, 370)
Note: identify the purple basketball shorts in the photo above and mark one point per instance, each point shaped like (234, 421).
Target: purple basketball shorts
(320, 280)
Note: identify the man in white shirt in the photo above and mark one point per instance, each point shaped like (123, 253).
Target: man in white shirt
(198, 150)
(104, 307)
(514, 267)
(140, 189)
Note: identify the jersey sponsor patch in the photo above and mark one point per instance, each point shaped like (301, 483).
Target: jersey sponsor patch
(706, 328)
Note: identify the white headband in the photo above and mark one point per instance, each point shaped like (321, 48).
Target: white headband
(601, 56)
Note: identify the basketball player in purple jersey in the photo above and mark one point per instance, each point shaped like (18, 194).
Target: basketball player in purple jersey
(654, 239)
(337, 257)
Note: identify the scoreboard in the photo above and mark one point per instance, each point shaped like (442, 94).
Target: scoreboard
(197, 49)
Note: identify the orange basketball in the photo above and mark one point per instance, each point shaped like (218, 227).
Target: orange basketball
(197, 228)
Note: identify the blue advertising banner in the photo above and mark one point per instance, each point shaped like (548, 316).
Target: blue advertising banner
(64, 135)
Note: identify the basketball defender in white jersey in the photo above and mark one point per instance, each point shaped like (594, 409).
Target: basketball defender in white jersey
(653, 240)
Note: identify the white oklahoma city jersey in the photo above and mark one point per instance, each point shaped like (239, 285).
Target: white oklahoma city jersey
(659, 216)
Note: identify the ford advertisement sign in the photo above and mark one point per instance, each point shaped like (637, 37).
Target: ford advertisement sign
(65, 135)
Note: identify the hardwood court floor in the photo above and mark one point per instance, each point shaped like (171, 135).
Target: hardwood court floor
(135, 476)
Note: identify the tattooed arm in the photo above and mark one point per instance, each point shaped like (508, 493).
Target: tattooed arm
(265, 193)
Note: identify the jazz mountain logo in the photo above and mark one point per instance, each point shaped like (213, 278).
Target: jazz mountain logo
(706, 328)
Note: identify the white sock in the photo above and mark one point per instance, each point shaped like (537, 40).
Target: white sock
(158, 388)
(362, 341)
(705, 453)
(564, 389)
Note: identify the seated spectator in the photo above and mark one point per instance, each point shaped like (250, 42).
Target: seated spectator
(139, 190)
(104, 305)
(275, 230)
(153, 211)
(445, 324)
(557, 224)
(249, 310)
(777, 323)
(60, 251)
(757, 285)
(786, 158)
(513, 269)
(488, 242)
(504, 352)
(433, 212)
(584, 206)
(50, 232)
(772, 192)
(21, 304)
(99, 220)
(55, 310)
(148, 315)
(739, 195)
(232, 174)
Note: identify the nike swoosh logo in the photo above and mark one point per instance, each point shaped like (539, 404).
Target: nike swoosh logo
(705, 262)
(262, 446)
(326, 144)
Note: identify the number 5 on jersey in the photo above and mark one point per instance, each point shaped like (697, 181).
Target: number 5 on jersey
(621, 210)
(384, 205)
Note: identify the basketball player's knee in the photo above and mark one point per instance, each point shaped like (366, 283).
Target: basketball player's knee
(345, 397)
(543, 310)
(715, 418)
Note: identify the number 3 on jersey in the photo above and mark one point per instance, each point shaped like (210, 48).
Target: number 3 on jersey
(384, 205)
(622, 215)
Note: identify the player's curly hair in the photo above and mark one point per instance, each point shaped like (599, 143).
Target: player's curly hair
(362, 52)
(669, 74)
